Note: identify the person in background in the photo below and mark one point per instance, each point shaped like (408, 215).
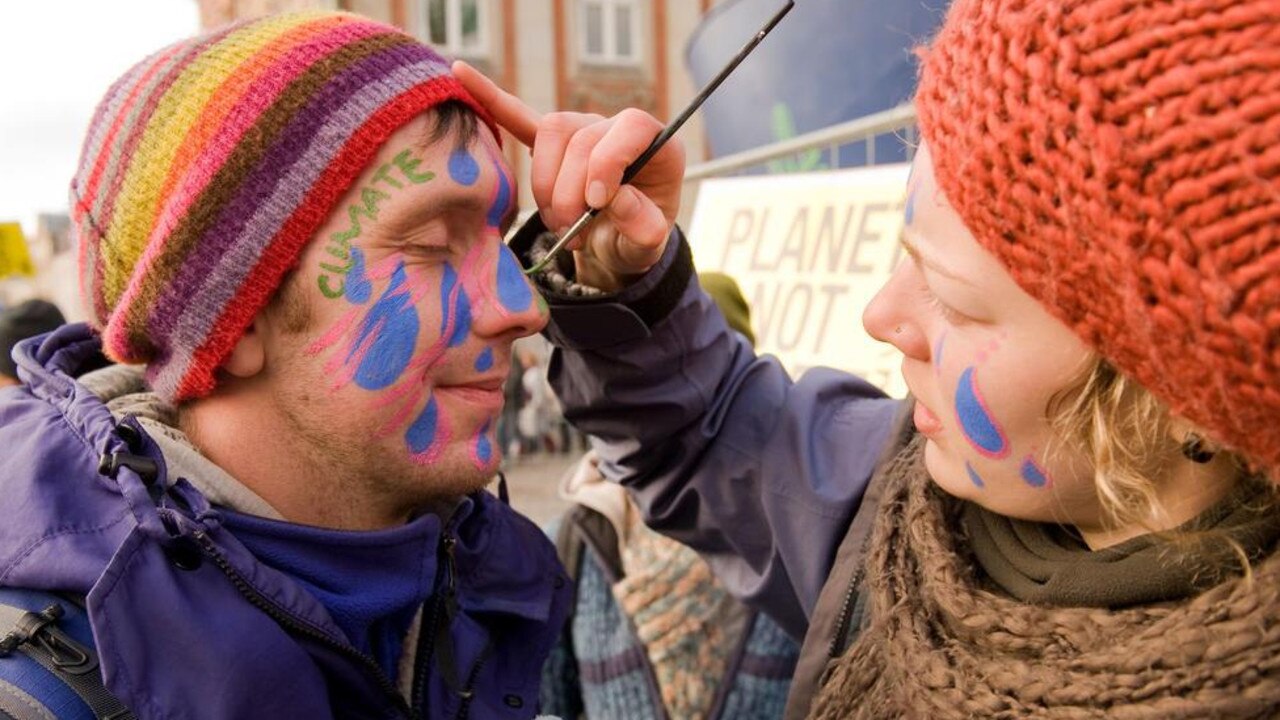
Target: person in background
(275, 505)
(653, 633)
(24, 320)
(509, 421)
(1075, 514)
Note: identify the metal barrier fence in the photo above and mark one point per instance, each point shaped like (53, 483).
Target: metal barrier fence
(899, 121)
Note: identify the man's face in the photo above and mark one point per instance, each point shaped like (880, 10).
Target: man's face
(389, 355)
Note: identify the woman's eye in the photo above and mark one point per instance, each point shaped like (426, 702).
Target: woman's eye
(948, 313)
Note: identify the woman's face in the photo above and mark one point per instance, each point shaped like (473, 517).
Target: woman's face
(983, 360)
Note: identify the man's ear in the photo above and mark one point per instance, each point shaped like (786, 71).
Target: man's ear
(249, 356)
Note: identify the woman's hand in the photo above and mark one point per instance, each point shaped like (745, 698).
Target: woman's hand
(578, 162)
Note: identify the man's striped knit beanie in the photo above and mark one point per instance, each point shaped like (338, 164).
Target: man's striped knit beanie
(1122, 159)
(209, 165)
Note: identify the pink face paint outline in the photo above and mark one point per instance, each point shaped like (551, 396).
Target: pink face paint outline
(473, 273)
(408, 392)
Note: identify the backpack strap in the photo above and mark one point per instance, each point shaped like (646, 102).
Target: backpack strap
(48, 667)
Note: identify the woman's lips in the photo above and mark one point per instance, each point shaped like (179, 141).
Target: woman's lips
(926, 422)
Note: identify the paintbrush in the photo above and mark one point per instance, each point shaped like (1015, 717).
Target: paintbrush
(662, 138)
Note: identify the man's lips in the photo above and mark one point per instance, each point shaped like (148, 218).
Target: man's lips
(486, 392)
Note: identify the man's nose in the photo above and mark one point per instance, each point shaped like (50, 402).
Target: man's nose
(513, 305)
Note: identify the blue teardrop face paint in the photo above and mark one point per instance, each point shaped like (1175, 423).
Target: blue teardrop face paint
(387, 337)
(980, 428)
(909, 212)
(459, 310)
(513, 290)
(422, 431)
(359, 288)
(484, 448)
(501, 201)
(463, 168)
(1034, 475)
(485, 360)
(974, 477)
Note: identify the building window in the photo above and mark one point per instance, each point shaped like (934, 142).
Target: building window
(459, 27)
(610, 31)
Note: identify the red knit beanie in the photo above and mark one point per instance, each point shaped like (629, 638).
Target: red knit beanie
(1122, 159)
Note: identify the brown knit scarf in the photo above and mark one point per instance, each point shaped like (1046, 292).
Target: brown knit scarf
(938, 645)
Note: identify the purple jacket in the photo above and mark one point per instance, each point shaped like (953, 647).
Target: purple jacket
(722, 449)
(188, 624)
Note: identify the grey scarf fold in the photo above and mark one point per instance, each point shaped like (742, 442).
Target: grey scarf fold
(1044, 564)
(940, 642)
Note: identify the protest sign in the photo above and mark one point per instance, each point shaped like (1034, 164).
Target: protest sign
(809, 251)
(14, 257)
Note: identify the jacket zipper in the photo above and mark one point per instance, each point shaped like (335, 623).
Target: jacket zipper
(298, 627)
(431, 625)
(469, 691)
(845, 619)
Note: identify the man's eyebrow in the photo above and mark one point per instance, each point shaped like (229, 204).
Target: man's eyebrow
(439, 204)
(927, 262)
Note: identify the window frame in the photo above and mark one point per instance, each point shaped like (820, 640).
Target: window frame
(609, 34)
(453, 29)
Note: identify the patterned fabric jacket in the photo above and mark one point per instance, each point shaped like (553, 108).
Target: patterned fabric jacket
(667, 643)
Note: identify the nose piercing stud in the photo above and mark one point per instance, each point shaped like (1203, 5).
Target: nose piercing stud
(897, 330)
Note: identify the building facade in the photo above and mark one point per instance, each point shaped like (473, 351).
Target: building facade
(595, 56)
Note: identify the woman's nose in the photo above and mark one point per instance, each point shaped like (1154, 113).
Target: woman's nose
(892, 315)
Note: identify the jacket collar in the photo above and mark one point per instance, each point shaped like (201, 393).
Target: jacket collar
(501, 565)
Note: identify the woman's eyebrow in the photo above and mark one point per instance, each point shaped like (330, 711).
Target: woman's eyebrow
(927, 262)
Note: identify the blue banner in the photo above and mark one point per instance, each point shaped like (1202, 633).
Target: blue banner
(827, 62)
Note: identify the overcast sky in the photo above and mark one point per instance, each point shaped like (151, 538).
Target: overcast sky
(57, 59)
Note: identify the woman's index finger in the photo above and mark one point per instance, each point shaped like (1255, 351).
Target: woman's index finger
(507, 110)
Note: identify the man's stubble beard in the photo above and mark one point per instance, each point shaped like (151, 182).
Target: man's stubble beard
(357, 464)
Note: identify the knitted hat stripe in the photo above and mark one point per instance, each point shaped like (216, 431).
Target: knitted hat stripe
(87, 203)
(107, 179)
(123, 104)
(93, 138)
(102, 192)
(232, 111)
(207, 162)
(220, 285)
(199, 259)
(283, 250)
(357, 92)
(159, 137)
(226, 185)
(212, 130)
(126, 86)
